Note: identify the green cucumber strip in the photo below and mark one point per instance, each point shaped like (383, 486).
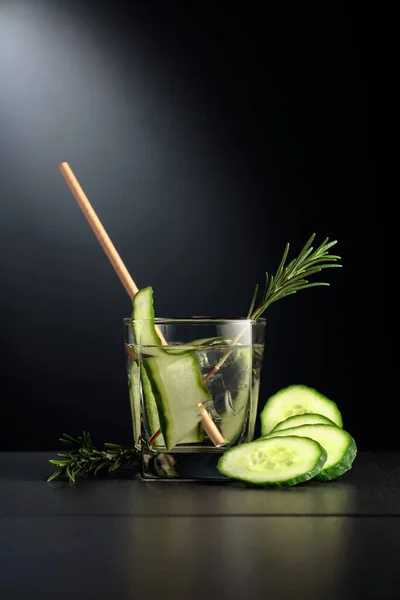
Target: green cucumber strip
(339, 445)
(257, 357)
(146, 339)
(297, 400)
(134, 396)
(151, 407)
(196, 435)
(232, 421)
(306, 419)
(178, 388)
(274, 462)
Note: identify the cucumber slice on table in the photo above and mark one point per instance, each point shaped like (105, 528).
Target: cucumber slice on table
(297, 400)
(306, 419)
(274, 462)
(339, 445)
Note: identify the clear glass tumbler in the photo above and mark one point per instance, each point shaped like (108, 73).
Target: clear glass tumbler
(196, 396)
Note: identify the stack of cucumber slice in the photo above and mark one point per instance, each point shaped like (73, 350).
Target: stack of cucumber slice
(302, 439)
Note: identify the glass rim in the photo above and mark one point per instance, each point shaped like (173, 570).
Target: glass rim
(196, 320)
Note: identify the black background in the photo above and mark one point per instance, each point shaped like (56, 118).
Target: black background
(206, 137)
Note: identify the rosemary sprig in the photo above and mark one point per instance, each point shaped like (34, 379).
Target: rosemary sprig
(293, 277)
(85, 459)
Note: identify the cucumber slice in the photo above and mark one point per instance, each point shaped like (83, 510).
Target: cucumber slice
(143, 324)
(172, 385)
(193, 437)
(297, 400)
(233, 418)
(274, 462)
(306, 419)
(339, 445)
(178, 388)
(134, 396)
(257, 358)
(151, 407)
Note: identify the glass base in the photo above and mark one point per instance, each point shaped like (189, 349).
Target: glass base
(181, 466)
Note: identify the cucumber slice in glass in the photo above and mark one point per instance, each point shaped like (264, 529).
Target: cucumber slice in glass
(134, 396)
(172, 385)
(151, 407)
(234, 416)
(178, 388)
(192, 437)
(145, 334)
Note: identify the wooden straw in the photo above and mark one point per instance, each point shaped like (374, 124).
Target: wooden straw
(105, 242)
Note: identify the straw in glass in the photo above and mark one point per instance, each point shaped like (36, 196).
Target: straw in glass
(130, 286)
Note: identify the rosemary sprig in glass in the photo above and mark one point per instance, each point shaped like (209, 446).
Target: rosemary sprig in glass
(293, 277)
(288, 279)
(85, 458)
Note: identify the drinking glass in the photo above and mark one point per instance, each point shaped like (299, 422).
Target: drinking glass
(208, 365)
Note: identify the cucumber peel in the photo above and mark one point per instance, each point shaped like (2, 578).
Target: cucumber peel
(134, 396)
(151, 407)
(145, 335)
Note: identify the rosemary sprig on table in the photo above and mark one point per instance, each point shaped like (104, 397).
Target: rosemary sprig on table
(85, 458)
(293, 277)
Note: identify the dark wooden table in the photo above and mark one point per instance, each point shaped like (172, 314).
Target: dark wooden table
(120, 538)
